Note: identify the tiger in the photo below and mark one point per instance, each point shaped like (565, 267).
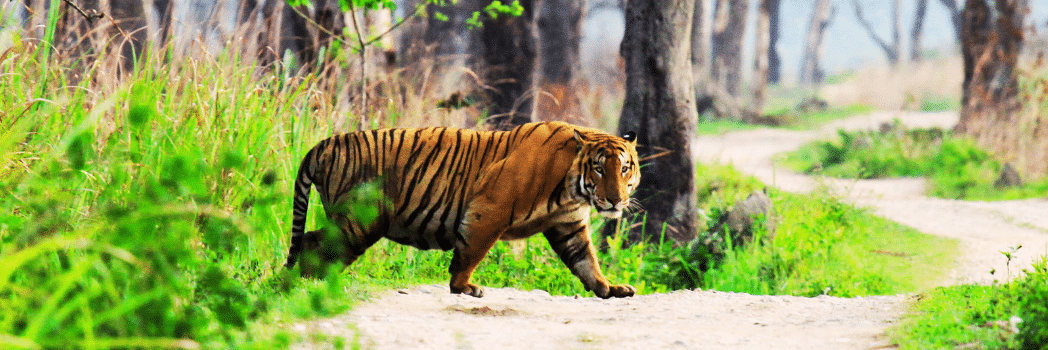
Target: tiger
(463, 190)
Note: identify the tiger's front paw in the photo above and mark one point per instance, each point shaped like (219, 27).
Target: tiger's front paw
(620, 291)
(471, 290)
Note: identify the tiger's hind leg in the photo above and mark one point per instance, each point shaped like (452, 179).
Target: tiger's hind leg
(342, 245)
(572, 243)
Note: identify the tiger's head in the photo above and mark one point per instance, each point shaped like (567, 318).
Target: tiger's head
(608, 171)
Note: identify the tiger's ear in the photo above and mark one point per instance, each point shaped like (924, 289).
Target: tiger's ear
(630, 136)
(579, 139)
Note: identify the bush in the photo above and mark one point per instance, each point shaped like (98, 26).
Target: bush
(956, 167)
(1032, 293)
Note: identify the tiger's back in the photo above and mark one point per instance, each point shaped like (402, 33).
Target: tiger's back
(448, 188)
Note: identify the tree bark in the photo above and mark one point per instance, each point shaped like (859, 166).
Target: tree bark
(761, 54)
(74, 34)
(918, 27)
(701, 34)
(774, 62)
(509, 61)
(130, 31)
(891, 50)
(990, 50)
(821, 17)
(284, 32)
(559, 25)
(728, 35)
(660, 108)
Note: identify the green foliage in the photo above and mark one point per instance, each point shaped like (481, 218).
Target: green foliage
(1012, 315)
(493, 10)
(956, 167)
(939, 104)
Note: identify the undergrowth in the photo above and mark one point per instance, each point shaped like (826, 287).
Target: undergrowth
(1010, 315)
(955, 166)
(821, 246)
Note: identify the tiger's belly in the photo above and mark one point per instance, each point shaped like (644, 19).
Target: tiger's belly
(445, 235)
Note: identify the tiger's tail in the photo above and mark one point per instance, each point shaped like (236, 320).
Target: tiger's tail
(303, 184)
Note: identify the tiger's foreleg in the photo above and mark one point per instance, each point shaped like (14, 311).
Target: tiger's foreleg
(572, 243)
(464, 261)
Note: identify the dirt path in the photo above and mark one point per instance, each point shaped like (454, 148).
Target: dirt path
(428, 317)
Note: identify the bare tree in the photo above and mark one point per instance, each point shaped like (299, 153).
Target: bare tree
(990, 46)
(821, 17)
(660, 108)
(509, 62)
(774, 62)
(761, 54)
(915, 31)
(559, 25)
(701, 34)
(955, 16)
(892, 49)
(130, 30)
(728, 35)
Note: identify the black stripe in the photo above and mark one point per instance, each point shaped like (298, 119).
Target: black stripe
(552, 134)
(554, 196)
(531, 129)
(420, 170)
(428, 194)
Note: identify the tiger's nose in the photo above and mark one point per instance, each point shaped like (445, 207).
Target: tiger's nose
(614, 200)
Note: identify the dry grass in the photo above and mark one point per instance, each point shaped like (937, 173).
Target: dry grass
(901, 88)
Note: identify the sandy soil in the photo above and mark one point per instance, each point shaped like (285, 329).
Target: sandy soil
(427, 317)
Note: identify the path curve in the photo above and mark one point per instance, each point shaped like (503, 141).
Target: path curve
(427, 317)
(985, 229)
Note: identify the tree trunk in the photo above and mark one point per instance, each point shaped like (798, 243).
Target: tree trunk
(728, 36)
(761, 53)
(990, 50)
(821, 16)
(559, 35)
(509, 60)
(918, 27)
(163, 10)
(955, 16)
(774, 62)
(701, 34)
(284, 33)
(75, 34)
(891, 50)
(130, 31)
(660, 108)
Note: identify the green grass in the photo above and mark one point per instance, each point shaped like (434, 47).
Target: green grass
(821, 246)
(980, 317)
(956, 168)
(783, 112)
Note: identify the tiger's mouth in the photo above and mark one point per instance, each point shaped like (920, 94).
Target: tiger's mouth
(607, 209)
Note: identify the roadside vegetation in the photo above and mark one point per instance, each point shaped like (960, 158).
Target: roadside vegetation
(1009, 314)
(784, 113)
(1005, 315)
(955, 167)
